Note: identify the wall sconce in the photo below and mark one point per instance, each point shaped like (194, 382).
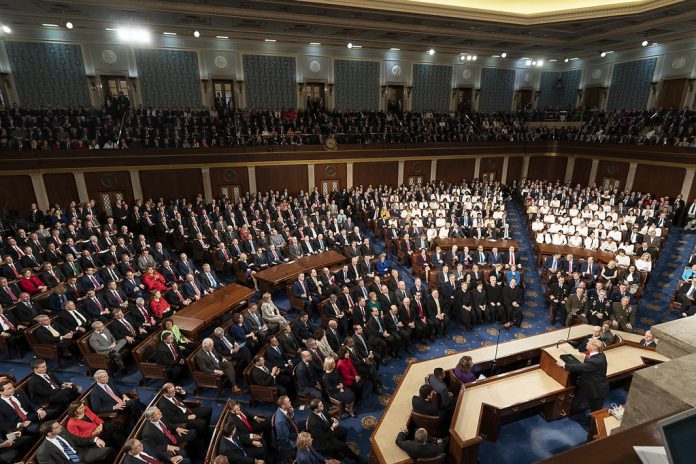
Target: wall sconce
(691, 84)
(409, 90)
(477, 92)
(331, 87)
(653, 86)
(92, 82)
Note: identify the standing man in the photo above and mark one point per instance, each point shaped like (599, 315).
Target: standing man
(593, 387)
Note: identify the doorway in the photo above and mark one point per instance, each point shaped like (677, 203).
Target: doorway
(314, 95)
(223, 94)
(326, 187)
(464, 97)
(395, 98)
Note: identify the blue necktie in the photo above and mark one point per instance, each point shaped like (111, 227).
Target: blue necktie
(67, 449)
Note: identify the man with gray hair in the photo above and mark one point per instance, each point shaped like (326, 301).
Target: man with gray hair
(103, 342)
(106, 398)
(210, 361)
(165, 437)
(421, 446)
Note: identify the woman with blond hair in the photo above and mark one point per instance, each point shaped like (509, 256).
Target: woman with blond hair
(271, 314)
(306, 454)
(334, 385)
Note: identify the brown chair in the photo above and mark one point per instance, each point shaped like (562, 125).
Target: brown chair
(430, 423)
(217, 435)
(259, 392)
(301, 399)
(143, 353)
(43, 350)
(93, 359)
(202, 379)
(296, 303)
(439, 459)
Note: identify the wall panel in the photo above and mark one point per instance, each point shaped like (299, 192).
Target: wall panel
(662, 180)
(417, 168)
(630, 84)
(171, 183)
(331, 171)
(291, 177)
(378, 173)
(61, 189)
(514, 171)
(18, 192)
(497, 89)
(492, 165)
(581, 171)
(356, 85)
(612, 170)
(109, 181)
(559, 89)
(455, 170)
(270, 81)
(432, 88)
(169, 78)
(228, 176)
(547, 168)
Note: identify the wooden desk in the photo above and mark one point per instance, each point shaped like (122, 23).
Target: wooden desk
(601, 424)
(189, 326)
(276, 276)
(472, 243)
(212, 306)
(544, 249)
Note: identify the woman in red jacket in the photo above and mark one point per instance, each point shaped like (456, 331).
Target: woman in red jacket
(159, 306)
(351, 379)
(84, 423)
(153, 280)
(30, 283)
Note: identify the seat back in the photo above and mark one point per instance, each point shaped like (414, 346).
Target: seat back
(439, 459)
(42, 350)
(202, 379)
(430, 423)
(259, 392)
(142, 355)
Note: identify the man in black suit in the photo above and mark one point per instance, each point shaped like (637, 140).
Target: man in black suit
(9, 292)
(60, 443)
(437, 313)
(210, 361)
(12, 331)
(106, 397)
(255, 426)
(138, 453)
(593, 387)
(329, 436)
(164, 436)
(261, 375)
(306, 376)
(45, 388)
(171, 358)
(57, 335)
(176, 412)
(241, 448)
(422, 403)
(421, 446)
(19, 412)
(378, 338)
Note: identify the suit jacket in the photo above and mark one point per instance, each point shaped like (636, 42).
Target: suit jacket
(205, 363)
(101, 343)
(415, 450)
(48, 453)
(9, 418)
(120, 331)
(235, 451)
(189, 289)
(155, 437)
(172, 413)
(305, 376)
(593, 376)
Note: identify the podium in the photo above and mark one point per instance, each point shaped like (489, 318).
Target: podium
(550, 355)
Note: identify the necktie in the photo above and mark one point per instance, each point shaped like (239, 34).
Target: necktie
(420, 308)
(181, 405)
(7, 322)
(53, 331)
(67, 449)
(96, 302)
(111, 393)
(245, 420)
(214, 358)
(146, 316)
(166, 431)
(128, 326)
(350, 301)
(14, 270)
(174, 353)
(50, 381)
(15, 405)
(181, 298)
(9, 292)
(148, 459)
(94, 281)
(20, 253)
(118, 298)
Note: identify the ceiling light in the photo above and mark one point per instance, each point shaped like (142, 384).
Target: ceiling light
(474, 58)
(534, 63)
(196, 34)
(603, 54)
(6, 29)
(222, 37)
(269, 40)
(644, 43)
(468, 57)
(134, 35)
(566, 60)
(357, 46)
(575, 58)
(350, 45)
(394, 49)
(540, 63)
(653, 44)
(431, 52)
(314, 43)
(503, 55)
(462, 57)
(169, 33)
(552, 60)
(50, 25)
(111, 29)
(528, 62)
(69, 24)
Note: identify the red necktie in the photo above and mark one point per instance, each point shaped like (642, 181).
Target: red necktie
(128, 326)
(96, 301)
(18, 410)
(181, 298)
(420, 309)
(94, 281)
(169, 435)
(74, 287)
(148, 459)
(350, 301)
(512, 259)
(118, 298)
(246, 421)
(146, 315)
(14, 270)
(9, 292)
(182, 405)
(174, 353)
(20, 253)
(7, 322)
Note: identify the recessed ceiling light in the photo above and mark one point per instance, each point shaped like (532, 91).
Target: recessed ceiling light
(222, 37)
(394, 49)
(503, 55)
(169, 33)
(524, 58)
(431, 52)
(6, 29)
(50, 25)
(196, 34)
(603, 54)
(468, 57)
(462, 57)
(357, 46)
(566, 60)
(528, 62)
(349, 45)
(540, 63)
(134, 35)
(644, 43)
(69, 24)
(314, 43)
(111, 29)
(474, 58)
(553, 60)
(269, 40)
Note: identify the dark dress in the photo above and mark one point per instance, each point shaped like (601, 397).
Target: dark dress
(331, 380)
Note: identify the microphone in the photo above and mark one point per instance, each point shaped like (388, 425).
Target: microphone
(495, 357)
(570, 327)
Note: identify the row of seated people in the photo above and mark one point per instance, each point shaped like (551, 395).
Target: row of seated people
(684, 301)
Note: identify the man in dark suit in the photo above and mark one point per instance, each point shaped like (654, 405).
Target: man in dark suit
(421, 446)
(422, 403)
(106, 397)
(437, 313)
(9, 292)
(18, 411)
(329, 436)
(171, 358)
(593, 387)
(379, 339)
(175, 411)
(45, 388)
(212, 362)
(60, 443)
(240, 447)
(254, 425)
(138, 453)
(301, 290)
(12, 331)
(164, 436)
(57, 335)
(261, 375)
(306, 377)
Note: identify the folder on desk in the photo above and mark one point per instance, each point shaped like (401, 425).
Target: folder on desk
(569, 359)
